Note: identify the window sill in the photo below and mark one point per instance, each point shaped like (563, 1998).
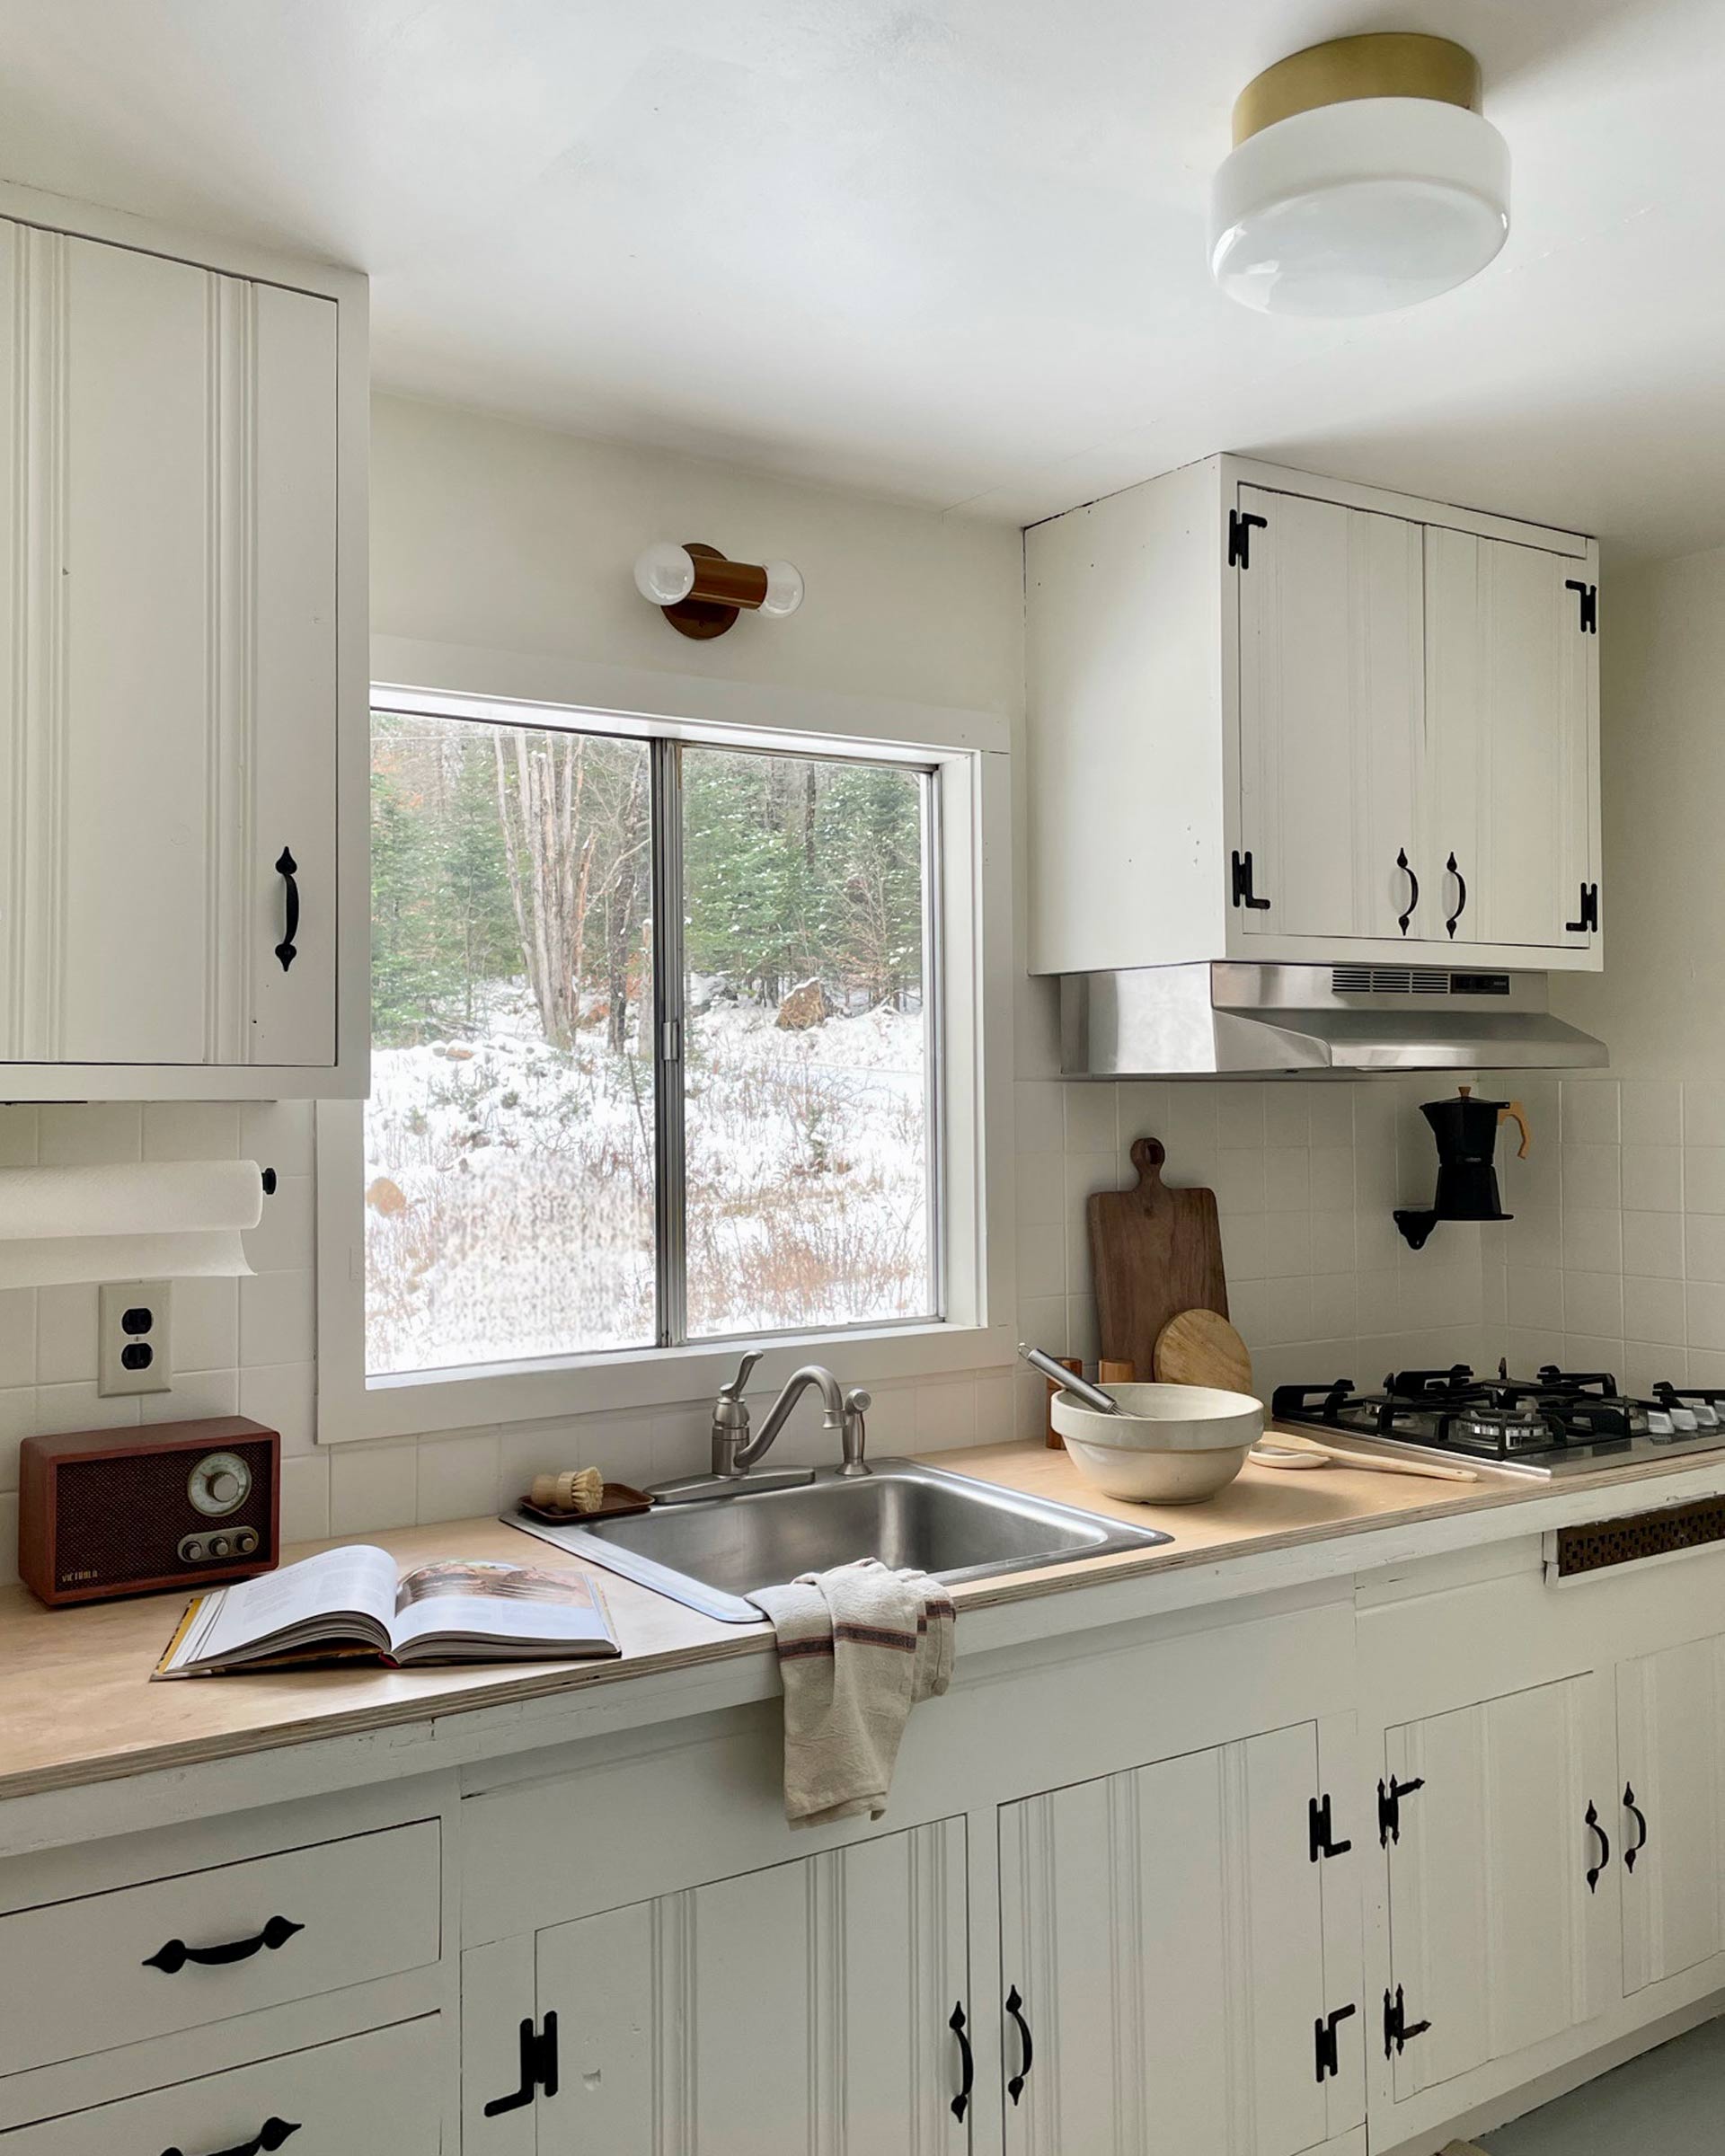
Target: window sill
(425, 1404)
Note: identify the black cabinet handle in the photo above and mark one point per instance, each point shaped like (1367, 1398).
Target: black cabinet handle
(967, 2063)
(1461, 902)
(1630, 1805)
(269, 2136)
(173, 1956)
(288, 869)
(1015, 2008)
(1594, 1870)
(1402, 863)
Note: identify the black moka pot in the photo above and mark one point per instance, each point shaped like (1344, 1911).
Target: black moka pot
(1466, 1131)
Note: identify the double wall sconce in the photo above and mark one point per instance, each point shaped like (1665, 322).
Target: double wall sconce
(701, 594)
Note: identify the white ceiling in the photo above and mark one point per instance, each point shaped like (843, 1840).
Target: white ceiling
(950, 251)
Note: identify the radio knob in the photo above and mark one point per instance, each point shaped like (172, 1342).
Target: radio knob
(219, 1484)
(219, 1545)
(246, 1542)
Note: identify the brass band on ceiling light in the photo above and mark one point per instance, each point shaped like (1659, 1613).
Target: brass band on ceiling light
(1380, 63)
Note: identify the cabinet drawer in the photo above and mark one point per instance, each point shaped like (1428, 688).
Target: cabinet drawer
(145, 1961)
(357, 2098)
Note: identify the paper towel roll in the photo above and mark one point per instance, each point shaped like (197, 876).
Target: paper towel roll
(137, 1220)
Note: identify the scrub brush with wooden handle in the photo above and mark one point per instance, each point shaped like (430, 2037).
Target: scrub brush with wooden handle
(581, 1490)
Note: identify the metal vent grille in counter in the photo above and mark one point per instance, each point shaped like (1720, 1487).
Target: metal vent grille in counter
(1596, 1548)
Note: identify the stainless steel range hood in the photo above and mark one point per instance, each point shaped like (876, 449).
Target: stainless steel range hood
(1172, 1020)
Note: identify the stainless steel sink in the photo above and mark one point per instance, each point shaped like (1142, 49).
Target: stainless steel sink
(709, 1553)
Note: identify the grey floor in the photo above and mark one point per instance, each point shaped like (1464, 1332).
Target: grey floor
(1669, 2102)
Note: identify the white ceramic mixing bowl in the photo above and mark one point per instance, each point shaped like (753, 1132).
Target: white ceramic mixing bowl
(1173, 1444)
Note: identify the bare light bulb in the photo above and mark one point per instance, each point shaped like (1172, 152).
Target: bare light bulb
(784, 588)
(665, 573)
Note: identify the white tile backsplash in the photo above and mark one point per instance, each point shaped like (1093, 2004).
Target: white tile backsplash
(1617, 1246)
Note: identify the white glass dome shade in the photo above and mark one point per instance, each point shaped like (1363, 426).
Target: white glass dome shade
(1363, 178)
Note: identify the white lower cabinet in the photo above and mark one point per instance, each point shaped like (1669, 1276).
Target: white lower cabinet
(1671, 1735)
(1164, 1955)
(360, 2096)
(809, 2006)
(1500, 1838)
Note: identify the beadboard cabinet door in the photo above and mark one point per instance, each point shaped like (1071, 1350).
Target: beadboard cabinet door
(1332, 688)
(168, 579)
(1502, 1879)
(1511, 703)
(1164, 1944)
(1671, 1763)
(807, 2006)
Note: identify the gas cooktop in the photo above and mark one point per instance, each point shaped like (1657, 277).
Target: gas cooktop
(1561, 1422)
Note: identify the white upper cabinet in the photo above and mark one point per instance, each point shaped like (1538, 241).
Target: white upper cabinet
(1331, 696)
(1510, 710)
(185, 485)
(1281, 718)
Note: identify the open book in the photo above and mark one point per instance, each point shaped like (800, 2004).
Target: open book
(348, 1602)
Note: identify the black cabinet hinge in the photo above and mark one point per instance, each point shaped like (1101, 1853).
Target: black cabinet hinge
(1241, 524)
(1389, 1808)
(1588, 595)
(1590, 912)
(1398, 2030)
(538, 2068)
(1329, 2055)
(1319, 1830)
(1242, 885)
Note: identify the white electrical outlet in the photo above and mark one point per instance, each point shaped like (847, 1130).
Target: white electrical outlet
(136, 1336)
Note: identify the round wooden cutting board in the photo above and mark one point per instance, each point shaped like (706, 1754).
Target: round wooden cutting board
(1198, 1348)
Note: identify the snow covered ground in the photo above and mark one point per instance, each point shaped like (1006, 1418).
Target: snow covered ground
(510, 1185)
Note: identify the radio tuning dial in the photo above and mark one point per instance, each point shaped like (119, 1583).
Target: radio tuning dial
(220, 1483)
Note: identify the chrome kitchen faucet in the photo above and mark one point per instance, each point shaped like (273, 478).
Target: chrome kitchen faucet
(735, 1450)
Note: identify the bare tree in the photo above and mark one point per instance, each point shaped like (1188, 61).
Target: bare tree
(575, 840)
(540, 784)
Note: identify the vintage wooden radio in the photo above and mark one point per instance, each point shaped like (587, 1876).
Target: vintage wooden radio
(121, 1512)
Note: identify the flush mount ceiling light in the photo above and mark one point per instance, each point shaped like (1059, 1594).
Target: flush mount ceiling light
(1362, 178)
(701, 594)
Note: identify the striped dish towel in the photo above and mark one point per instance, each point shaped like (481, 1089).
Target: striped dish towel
(858, 1647)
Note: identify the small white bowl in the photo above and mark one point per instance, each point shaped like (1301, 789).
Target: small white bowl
(1157, 1478)
(1179, 1419)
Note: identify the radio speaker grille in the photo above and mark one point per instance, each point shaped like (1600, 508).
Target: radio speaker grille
(119, 1541)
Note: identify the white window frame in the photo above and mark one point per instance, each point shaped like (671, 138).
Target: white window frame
(970, 750)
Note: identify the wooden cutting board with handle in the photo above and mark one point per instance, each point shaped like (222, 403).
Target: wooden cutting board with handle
(1155, 1252)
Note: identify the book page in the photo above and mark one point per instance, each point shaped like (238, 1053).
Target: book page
(472, 1596)
(360, 1579)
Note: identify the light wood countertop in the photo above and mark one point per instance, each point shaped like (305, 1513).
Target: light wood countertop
(76, 1707)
